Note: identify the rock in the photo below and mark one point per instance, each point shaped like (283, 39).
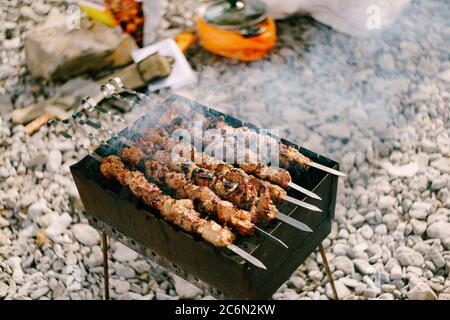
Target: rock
(371, 292)
(422, 291)
(445, 75)
(54, 51)
(289, 295)
(15, 264)
(442, 164)
(342, 291)
(163, 296)
(58, 225)
(86, 234)
(366, 231)
(408, 170)
(95, 259)
(386, 202)
(298, 282)
(38, 293)
(54, 161)
(363, 266)
(386, 296)
(345, 264)
(436, 257)
(335, 130)
(444, 296)
(120, 286)
(419, 210)
(37, 209)
(5, 107)
(184, 289)
(38, 159)
(409, 257)
(3, 289)
(124, 254)
(439, 230)
(418, 227)
(125, 272)
(396, 273)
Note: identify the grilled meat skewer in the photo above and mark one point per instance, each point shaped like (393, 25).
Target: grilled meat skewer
(160, 136)
(178, 212)
(259, 208)
(264, 189)
(243, 196)
(205, 200)
(203, 197)
(288, 155)
(249, 163)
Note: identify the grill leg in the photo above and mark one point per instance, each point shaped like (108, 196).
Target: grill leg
(327, 269)
(105, 264)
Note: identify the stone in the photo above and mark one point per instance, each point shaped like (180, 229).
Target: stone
(436, 257)
(409, 257)
(342, 291)
(363, 266)
(15, 264)
(386, 202)
(422, 291)
(420, 210)
(419, 227)
(366, 231)
(39, 293)
(163, 296)
(37, 209)
(58, 225)
(396, 273)
(54, 51)
(335, 130)
(386, 296)
(5, 106)
(408, 170)
(298, 282)
(124, 254)
(184, 289)
(54, 161)
(120, 286)
(86, 234)
(345, 264)
(439, 230)
(442, 164)
(3, 289)
(95, 259)
(125, 272)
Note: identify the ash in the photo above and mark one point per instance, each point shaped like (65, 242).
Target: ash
(380, 106)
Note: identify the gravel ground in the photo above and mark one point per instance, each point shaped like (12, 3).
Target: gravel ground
(380, 106)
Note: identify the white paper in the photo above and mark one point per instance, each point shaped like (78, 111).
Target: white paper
(181, 74)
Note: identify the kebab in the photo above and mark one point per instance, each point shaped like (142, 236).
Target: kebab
(288, 155)
(204, 198)
(242, 195)
(273, 174)
(178, 212)
(160, 137)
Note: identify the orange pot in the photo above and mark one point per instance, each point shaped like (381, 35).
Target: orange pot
(236, 30)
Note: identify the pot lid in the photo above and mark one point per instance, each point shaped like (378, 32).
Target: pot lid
(231, 14)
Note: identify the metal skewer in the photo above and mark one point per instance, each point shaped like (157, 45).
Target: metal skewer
(326, 169)
(302, 204)
(270, 237)
(304, 191)
(295, 223)
(246, 256)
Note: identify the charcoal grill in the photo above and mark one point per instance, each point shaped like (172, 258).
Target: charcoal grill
(118, 214)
